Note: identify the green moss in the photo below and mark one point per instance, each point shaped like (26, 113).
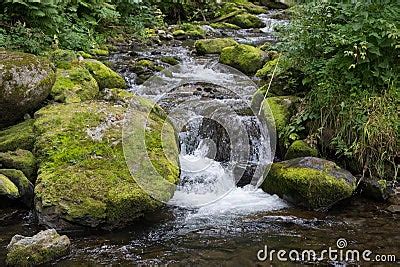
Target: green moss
(99, 52)
(7, 188)
(63, 59)
(245, 58)
(146, 63)
(312, 188)
(267, 69)
(74, 85)
(281, 108)
(21, 160)
(83, 172)
(224, 25)
(105, 77)
(17, 136)
(178, 33)
(299, 149)
(213, 46)
(170, 60)
(118, 96)
(85, 55)
(246, 21)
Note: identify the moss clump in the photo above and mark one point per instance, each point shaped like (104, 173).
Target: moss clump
(189, 30)
(170, 60)
(22, 160)
(25, 187)
(99, 52)
(213, 46)
(178, 33)
(84, 178)
(85, 55)
(300, 149)
(74, 85)
(7, 188)
(63, 59)
(224, 25)
(267, 69)
(245, 58)
(19, 136)
(279, 109)
(105, 77)
(312, 186)
(246, 21)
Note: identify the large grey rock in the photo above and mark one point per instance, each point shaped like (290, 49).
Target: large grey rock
(25, 81)
(43, 247)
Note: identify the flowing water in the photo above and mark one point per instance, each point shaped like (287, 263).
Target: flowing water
(215, 218)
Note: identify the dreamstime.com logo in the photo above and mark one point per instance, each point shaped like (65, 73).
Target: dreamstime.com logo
(337, 254)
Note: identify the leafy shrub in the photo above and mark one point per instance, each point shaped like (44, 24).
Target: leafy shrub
(350, 56)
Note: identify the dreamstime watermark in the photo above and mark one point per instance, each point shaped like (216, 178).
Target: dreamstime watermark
(340, 253)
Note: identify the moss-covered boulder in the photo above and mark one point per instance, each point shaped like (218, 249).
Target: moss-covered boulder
(19, 136)
(273, 4)
(63, 59)
(118, 96)
(245, 58)
(309, 182)
(145, 69)
(105, 77)
(20, 159)
(213, 46)
(247, 21)
(39, 249)
(100, 52)
(189, 30)
(299, 149)
(25, 81)
(74, 85)
(25, 187)
(8, 190)
(83, 177)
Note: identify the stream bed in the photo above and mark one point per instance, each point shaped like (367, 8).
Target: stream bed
(211, 221)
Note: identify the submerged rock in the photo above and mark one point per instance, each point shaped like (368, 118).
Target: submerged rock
(213, 46)
(245, 58)
(25, 81)
(300, 148)
(74, 85)
(41, 248)
(309, 182)
(19, 136)
(247, 21)
(20, 159)
(84, 179)
(105, 77)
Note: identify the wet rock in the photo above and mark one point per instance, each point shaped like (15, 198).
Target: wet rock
(145, 69)
(74, 85)
(213, 46)
(84, 180)
(300, 149)
(41, 248)
(309, 182)
(20, 159)
(105, 77)
(380, 190)
(247, 21)
(245, 58)
(19, 136)
(394, 208)
(25, 187)
(25, 81)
